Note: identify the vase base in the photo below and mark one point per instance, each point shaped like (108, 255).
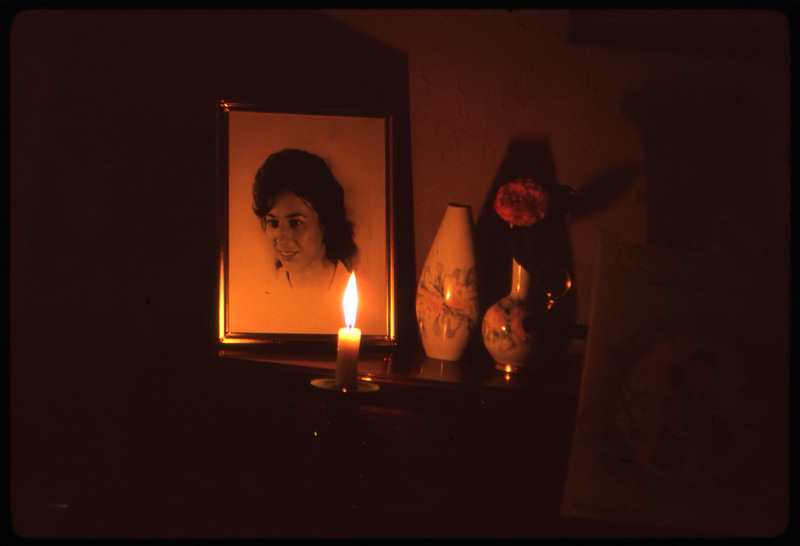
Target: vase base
(508, 368)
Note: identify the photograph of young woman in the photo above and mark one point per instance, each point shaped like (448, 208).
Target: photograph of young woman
(301, 208)
(306, 208)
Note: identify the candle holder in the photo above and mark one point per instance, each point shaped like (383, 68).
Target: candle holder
(329, 383)
(347, 346)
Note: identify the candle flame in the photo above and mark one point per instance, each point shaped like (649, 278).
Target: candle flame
(350, 302)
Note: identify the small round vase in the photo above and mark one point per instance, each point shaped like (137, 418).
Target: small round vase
(503, 332)
(447, 297)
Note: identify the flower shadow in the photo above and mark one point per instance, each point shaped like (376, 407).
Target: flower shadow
(532, 157)
(604, 189)
(526, 157)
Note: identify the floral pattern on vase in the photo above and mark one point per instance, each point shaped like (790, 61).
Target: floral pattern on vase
(503, 328)
(447, 294)
(447, 301)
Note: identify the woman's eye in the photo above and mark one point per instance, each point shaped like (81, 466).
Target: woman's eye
(272, 223)
(294, 222)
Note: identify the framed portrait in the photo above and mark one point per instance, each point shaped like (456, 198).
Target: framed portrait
(305, 203)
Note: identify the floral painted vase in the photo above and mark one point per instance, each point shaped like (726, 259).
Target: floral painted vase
(447, 295)
(503, 332)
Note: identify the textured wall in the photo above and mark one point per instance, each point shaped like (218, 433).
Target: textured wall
(112, 134)
(482, 78)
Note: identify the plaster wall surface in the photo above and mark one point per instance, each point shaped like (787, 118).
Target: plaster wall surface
(671, 126)
(481, 78)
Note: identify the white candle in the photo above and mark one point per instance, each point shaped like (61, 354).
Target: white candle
(349, 339)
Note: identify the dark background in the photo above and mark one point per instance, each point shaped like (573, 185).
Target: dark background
(113, 215)
(113, 271)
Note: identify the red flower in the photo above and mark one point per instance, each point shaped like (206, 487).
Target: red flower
(522, 202)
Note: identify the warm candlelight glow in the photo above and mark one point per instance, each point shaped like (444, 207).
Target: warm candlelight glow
(347, 347)
(349, 339)
(350, 302)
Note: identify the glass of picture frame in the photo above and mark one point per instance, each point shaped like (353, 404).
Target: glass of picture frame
(282, 270)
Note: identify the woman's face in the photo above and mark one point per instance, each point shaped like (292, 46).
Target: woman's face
(294, 230)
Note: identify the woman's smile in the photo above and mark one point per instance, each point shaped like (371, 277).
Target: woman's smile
(287, 255)
(293, 228)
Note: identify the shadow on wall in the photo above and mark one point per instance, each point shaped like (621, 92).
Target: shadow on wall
(528, 157)
(716, 169)
(532, 157)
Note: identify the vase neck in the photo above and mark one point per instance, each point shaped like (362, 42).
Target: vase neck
(520, 279)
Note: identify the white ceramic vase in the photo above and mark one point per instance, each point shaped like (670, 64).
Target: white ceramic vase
(502, 329)
(447, 295)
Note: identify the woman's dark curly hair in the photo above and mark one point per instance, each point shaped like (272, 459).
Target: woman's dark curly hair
(309, 177)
